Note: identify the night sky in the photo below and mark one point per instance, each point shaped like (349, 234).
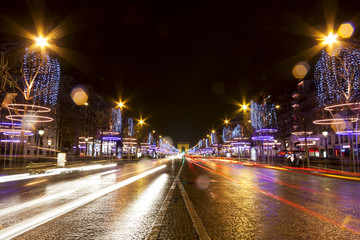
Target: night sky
(182, 64)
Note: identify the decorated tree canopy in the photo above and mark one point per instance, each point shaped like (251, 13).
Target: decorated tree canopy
(337, 77)
(262, 115)
(236, 132)
(116, 120)
(226, 134)
(41, 77)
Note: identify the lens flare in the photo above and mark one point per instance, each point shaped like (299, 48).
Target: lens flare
(79, 95)
(346, 30)
(300, 70)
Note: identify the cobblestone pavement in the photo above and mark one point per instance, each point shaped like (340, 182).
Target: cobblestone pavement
(177, 223)
(233, 202)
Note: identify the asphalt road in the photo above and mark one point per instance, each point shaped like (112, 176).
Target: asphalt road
(219, 200)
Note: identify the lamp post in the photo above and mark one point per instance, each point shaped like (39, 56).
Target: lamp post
(325, 134)
(41, 133)
(49, 145)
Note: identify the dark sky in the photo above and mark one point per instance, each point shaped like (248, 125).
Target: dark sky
(182, 63)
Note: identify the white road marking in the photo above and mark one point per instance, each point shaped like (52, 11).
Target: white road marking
(199, 227)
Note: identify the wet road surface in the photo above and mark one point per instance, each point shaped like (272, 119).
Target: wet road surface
(138, 200)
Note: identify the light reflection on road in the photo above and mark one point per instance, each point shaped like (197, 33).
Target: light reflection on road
(53, 213)
(134, 218)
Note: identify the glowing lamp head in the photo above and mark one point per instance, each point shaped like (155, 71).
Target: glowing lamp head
(41, 132)
(120, 104)
(41, 42)
(213, 131)
(330, 39)
(226, 121)
(325, 133)
(244, 107)
(141, 122)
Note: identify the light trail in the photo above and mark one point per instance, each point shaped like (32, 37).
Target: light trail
(309, 171)
(260, 175)
(52, 172)
(316, 214)
(37, 202)
(33, 203)
(18, 177)
(45, 217)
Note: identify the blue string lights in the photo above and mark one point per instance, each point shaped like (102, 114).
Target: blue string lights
(262, 115)
(41, 76)
(337, 78)
(116, 120)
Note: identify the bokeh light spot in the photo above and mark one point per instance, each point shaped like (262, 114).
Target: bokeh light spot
(202, 182)
(346, 30)
(300, 70)
(79, 95)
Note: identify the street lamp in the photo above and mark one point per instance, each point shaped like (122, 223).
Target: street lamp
(226, 122)
(41, 133)
(49, 145)
(121, 104)
(42, 42)
(330, 39)
(244, 107)
(325, 134)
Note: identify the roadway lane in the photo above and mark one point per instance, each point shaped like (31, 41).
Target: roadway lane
(121, 212)
(241, 202)
(229, 200)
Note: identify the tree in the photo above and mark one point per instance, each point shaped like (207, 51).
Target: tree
(337, 79)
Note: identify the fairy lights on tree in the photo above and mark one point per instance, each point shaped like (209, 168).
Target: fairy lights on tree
(236, 132)
(226, 133)
(262, 115)
(337, 77)
(130, 127)
(41, 77)
(116, 120)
